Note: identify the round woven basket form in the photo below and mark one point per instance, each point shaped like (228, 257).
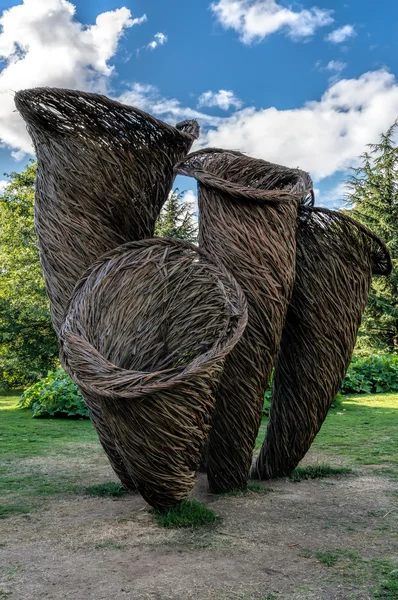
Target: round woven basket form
(336, 257)
(248, 213)
(147, 332)
(104, 172)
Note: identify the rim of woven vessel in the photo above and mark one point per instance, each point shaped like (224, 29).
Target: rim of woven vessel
(117, 376)
(379, 267)
(24, 102)
(245, 192)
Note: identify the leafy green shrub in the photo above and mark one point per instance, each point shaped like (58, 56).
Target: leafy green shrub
(54, 396)
(371, 375)
(366, 375)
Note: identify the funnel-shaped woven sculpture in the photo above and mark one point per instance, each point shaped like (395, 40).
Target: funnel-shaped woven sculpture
(146, 332)
(248, 213)
(104, 172)
(336, 257)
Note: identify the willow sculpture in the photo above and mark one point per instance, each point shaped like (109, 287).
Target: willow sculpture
(104, 172)
(336, 257)
(146, 333)
(172, 349)
(248, 213)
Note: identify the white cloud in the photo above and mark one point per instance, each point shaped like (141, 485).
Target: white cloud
(159, 40)
(341, 34)
(3, 183)
(18, 154)
(256, 19)
(192, 199)
(223, 99)
(147, 97)
(139, 20)
(42, 44)
(335, 66)
(323, 137)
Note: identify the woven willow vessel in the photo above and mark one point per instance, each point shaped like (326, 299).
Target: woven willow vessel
(146, 334)
(336, 257)
(248, 213)
(104, 172)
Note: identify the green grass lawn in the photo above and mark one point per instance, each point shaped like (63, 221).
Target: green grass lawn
(23, 436)
(35, 454)
(43, 458)
(363, 431)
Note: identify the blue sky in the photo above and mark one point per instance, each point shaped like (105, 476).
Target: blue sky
(304, 84)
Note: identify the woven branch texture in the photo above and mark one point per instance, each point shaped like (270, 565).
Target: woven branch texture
(336, 257)
(248, 213)
(104, 172)
(146, 332)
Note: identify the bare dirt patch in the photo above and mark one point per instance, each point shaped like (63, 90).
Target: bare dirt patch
(268, 546)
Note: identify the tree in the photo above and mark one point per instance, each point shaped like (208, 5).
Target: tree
(28, 345)
(373, 197)
(177, 219)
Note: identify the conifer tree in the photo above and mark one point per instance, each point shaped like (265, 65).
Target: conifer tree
(373, 198)
(177, 219)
